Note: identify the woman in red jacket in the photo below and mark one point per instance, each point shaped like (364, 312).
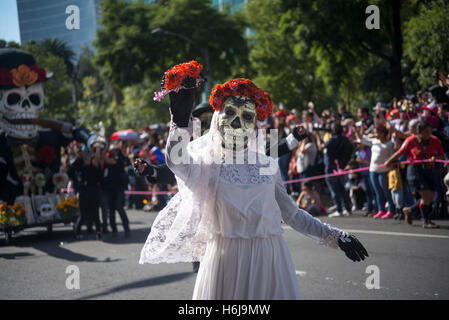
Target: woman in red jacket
(422, 177)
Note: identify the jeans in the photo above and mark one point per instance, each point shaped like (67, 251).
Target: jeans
(339, 194)
(116, 201)
(370, 195)
(380, 183)
(283, 162)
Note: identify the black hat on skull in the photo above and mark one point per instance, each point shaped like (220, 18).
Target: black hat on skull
(18, 68)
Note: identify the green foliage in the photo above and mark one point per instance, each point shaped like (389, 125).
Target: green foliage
(426, 41)
(139, 109)
(129, 52)
(276, 53)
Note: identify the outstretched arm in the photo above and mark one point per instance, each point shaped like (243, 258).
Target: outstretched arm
(303, 222)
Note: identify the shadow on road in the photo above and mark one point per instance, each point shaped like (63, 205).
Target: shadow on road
(12, 256)
(49, 243)
(142, 284)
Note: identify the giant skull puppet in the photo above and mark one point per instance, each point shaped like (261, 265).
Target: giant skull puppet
(21, 93)
(18, 104)
(26, 150)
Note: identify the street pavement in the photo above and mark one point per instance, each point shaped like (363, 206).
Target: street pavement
(409, 262)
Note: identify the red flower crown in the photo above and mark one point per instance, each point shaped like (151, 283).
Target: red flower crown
(175, 76)
(244, 88)
(184, 75)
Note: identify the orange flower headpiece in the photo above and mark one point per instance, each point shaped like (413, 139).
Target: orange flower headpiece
(244, 88)
(182, 76)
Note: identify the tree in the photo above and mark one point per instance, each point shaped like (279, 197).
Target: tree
(281, 70)
(128, 51)
(427, 41)
(336, 31)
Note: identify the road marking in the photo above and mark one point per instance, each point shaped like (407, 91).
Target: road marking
(391, 233)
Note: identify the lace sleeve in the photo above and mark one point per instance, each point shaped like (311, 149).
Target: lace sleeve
(178, 159)
(302, 221)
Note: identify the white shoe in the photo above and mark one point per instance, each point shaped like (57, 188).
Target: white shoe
(335, 214)
(346, 213)
(332, 209)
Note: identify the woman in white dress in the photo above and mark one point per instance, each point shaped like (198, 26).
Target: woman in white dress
(231, 202)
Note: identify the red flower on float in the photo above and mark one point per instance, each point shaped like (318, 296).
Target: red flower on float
(41, 72)
(46, 154)
(244, 88)
(5, 76)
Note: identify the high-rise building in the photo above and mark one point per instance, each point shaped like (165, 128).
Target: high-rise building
(40, 19)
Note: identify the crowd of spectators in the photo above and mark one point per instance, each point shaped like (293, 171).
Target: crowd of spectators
(370, 142)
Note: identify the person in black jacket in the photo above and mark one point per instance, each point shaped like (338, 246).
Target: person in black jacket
(114, 184)
(85, 169)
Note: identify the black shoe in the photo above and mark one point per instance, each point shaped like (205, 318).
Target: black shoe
(98, 236)
(78, 237)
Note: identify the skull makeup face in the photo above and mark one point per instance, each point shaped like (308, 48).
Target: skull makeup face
(237, 121)
(17, 106)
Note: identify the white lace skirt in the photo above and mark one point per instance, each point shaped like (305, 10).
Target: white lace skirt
(246, 269)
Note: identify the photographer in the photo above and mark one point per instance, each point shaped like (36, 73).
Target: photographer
(115, 180)
(85, 169)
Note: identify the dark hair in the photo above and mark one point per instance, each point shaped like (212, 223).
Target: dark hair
(336, 129)
(380, 128)
(308, 184)
(422, 125)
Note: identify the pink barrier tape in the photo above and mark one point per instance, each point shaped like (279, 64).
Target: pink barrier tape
(344, 172)
(130, 192)
(323, 176)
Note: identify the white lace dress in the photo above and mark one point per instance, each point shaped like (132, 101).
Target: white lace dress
(247, 258)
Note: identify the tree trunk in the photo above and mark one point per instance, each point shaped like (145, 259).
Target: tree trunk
(394, 16)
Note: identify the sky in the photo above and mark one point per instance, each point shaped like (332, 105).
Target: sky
(9, 21)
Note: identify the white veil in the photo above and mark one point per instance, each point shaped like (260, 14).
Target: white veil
(181, 230)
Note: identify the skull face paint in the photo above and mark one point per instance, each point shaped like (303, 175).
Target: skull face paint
(17, 106)
(237, 121)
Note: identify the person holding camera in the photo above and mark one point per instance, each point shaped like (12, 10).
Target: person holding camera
(115, 180)
(85, 169)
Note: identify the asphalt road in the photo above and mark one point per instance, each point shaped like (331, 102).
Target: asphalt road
(412, 263)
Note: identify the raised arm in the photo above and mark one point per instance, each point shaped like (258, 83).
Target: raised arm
(181, 104)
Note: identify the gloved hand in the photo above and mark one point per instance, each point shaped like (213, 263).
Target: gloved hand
(181, 104)
(352, 247)
(143, 168)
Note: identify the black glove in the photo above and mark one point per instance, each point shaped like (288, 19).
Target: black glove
(352, 247)
(148, 171)
(181, 104)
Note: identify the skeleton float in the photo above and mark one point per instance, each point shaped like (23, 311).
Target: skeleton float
(30, 157)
